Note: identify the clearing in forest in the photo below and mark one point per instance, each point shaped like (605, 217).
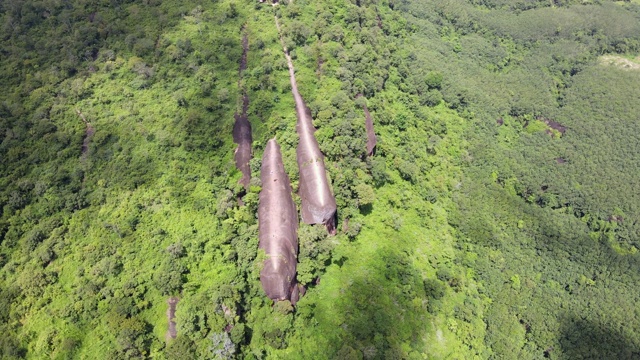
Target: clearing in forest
(621, 62)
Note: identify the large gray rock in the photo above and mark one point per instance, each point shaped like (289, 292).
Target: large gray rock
(242, 137)
(277, 227)
(318, 203)
(371, 135)
(242, 126)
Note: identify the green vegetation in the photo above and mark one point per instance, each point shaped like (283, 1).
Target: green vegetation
(497, 218)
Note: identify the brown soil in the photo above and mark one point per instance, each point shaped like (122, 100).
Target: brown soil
(172, 332)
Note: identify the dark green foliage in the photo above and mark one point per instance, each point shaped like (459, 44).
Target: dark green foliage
(541, 198)
(314, 254)
(132, 336)
(11, 349)
(181, 348)
(433, 79)
(169, 277)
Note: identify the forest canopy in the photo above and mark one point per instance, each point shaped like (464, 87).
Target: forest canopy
(497, 217)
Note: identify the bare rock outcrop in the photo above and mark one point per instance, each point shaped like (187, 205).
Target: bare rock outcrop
(88, 133)
(277, 227)
(242, 137)
(318, 203)
(242, 127)
(371, 134)
(172, 332)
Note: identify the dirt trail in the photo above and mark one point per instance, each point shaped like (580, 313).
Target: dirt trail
(242, 127)
(318, 203)
(172, 333)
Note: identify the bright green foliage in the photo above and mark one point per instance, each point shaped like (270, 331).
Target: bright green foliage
(497, 218)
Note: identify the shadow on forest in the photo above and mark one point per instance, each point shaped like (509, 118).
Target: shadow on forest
(568, 238)
(589, 273)
(583, 339)
(562, 236)
(383, 309)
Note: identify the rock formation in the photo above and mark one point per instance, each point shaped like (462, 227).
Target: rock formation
(371, 135)
(88, 133)
(242, 126)
(277, 227)
(242, 137)
(318, 203)
(172, 332)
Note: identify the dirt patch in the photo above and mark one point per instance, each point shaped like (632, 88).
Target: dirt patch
(172, 332)
(556, 126)
(620, 62)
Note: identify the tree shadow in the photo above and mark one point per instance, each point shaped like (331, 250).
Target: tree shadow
(554, 233)
(584, 339)
(382, 309)
(366, 209)
(562, 265)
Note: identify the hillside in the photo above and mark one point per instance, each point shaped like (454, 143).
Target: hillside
(493, 214)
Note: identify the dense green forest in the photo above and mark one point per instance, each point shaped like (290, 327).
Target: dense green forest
(498, 218)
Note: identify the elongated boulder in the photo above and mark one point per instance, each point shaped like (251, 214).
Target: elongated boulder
(277, 227)
(172, 333)
(318, 203)
(242, 137)
(242, 126)
(371, 135)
